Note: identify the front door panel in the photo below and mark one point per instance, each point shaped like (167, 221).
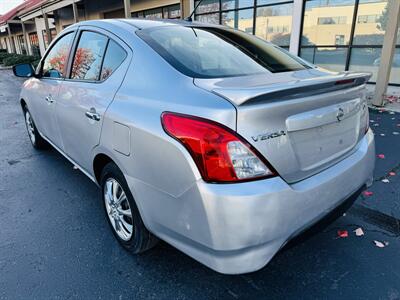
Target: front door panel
(44, 93)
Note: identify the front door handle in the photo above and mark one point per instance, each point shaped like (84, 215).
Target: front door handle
(93, 115)
(49, 99)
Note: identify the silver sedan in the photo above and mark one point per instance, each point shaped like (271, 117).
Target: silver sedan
(217, 142)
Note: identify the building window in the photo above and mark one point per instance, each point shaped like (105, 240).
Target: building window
(114, 14)
(4, 44)
(21, 44)
(34, 42)
(333, 47)
(339, 39)
(163, 12)
(274, 23)
(270, 19)
(239, 19)
(53, 33)
(332, 20)
(368, 19)
(395, 72)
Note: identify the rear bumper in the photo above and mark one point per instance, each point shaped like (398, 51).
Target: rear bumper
(238, 228)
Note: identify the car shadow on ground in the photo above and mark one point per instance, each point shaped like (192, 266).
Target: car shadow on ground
(318, 260)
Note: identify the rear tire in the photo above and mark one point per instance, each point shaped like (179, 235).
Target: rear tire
(36, 139)
(122, 213)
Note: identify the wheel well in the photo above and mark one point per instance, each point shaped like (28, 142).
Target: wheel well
(99, 162)
(23, 104)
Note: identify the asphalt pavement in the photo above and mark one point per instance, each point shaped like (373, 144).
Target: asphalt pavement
(55, 242)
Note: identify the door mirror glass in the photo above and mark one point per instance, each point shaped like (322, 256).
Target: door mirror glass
(23, 70)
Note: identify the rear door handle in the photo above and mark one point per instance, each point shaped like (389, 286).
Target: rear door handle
(93, 115)
(49, 99)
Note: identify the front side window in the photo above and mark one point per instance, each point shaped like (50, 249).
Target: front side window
(206, 52)
(54, 63)
(88, 56)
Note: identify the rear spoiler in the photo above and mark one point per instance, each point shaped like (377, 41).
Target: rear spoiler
(294, 89)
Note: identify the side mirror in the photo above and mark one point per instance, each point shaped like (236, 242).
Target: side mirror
(23, 70)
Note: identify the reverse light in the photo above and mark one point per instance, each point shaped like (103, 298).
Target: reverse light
(220, 154)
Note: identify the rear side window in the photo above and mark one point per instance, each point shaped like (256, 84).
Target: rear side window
(114, 57)
(208, 52)
(54, 63)
(89, 56)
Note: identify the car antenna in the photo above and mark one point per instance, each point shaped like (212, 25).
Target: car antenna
(189, 19)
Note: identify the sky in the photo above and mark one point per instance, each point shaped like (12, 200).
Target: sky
(6, 5)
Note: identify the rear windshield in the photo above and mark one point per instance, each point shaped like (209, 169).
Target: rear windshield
(209, 52)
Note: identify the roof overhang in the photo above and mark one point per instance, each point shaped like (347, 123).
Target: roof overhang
(44, 7)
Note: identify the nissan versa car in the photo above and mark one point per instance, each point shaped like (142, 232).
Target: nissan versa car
(213, 140)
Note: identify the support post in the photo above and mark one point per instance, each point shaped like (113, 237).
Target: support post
(27, 48)
(46, 25)
(182, 5)
(75, 10)
(12, 45)
(187, 7)
(127, 7)
(389, 43)
(295, 36)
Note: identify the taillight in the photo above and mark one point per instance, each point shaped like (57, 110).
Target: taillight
(219, 153)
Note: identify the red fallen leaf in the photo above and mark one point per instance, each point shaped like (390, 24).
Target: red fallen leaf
(343, 233)
(381, 156)
(392, 173)
(368, 193)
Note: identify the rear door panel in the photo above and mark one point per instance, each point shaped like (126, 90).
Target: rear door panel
(77, 98)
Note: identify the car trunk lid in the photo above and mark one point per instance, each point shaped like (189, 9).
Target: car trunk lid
(303, 121)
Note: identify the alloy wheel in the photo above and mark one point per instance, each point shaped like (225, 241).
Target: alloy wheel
(118, 209)
(30, 127)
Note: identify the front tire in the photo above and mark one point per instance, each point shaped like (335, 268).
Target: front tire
(122, 213)
(36, 139)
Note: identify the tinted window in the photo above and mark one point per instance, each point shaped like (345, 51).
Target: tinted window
(54, 63)
(88, 56)
(115, 55)
(207, 52)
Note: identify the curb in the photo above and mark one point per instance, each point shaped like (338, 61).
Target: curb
(5, 68)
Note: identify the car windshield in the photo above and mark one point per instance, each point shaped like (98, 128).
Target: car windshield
(212, 52)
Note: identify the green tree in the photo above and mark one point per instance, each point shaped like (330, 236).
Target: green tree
(383, 20)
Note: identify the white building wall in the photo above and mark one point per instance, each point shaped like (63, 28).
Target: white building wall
(39, 22)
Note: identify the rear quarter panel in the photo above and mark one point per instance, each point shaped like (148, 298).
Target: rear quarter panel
(151, 86)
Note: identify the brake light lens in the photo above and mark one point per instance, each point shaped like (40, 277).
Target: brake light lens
(219, 153)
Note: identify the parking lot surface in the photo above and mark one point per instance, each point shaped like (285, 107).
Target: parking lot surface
(55, 241)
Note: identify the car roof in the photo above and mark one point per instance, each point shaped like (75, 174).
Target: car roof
(146, 23)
